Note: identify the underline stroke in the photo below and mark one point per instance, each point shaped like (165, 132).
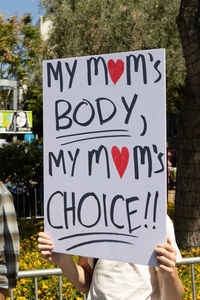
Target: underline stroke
(98, 137)
(91, 132)
(98, 241)
(99, 233)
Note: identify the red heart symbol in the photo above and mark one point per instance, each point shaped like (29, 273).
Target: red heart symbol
(120, 159)
(115, 69)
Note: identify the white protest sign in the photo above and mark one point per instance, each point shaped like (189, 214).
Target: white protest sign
(105, 155)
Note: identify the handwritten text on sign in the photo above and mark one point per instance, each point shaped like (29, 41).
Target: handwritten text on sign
(104, 154)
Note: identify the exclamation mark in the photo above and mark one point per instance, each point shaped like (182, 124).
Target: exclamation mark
(147, 206)
(154, 208)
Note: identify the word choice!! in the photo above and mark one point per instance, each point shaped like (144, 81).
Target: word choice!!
(72, 210)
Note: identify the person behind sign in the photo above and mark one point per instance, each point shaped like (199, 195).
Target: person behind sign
(118, 280)
(9, 243)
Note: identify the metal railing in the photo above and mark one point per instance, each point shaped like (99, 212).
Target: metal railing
(40, 273)
(50, 272)
(26, 206)
(191, 261)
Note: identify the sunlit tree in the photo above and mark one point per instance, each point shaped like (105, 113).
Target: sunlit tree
(187, 220)
(20, 46)
(104, 26)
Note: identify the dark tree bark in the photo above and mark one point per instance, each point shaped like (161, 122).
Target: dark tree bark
(187, 208)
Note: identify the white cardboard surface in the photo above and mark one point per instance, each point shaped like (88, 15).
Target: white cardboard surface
(105, 155)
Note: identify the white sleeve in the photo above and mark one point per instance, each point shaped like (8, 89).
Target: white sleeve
(171, 235)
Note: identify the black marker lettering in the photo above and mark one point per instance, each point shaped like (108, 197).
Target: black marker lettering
(48, 210)
(112, 210)
(98, 241)
(69, 209)
(155, 149)
(71, 72)
(150, 57)
(56, 73)
(147, 207)
(129, 109)
(145, 126)
(86, 123)
(129, 213)
(99, 110)
(57, 161)
(160, 155)
(136, 67)
(63, 115)
(104, 210)
(96, 71)
(155, 208)
(97, 154)
(156, 68)
(143, 152)
(73, 159)
(83, 198)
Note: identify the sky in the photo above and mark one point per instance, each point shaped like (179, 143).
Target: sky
(10, 7)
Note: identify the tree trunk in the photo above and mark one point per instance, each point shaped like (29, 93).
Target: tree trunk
(187, 203)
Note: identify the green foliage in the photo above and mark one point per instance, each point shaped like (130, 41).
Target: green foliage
(184, 271)
(105, 26)
(30, 259)
(33, 102)
(29, 227)
(21, 163)
(170, 209)
(20, 48)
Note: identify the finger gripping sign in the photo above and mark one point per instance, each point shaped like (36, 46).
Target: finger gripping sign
(104, 155)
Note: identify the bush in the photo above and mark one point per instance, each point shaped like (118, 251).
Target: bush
(30, 259)
(48, 287)
(184, 271)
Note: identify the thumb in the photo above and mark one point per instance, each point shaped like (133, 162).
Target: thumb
(169, 241)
